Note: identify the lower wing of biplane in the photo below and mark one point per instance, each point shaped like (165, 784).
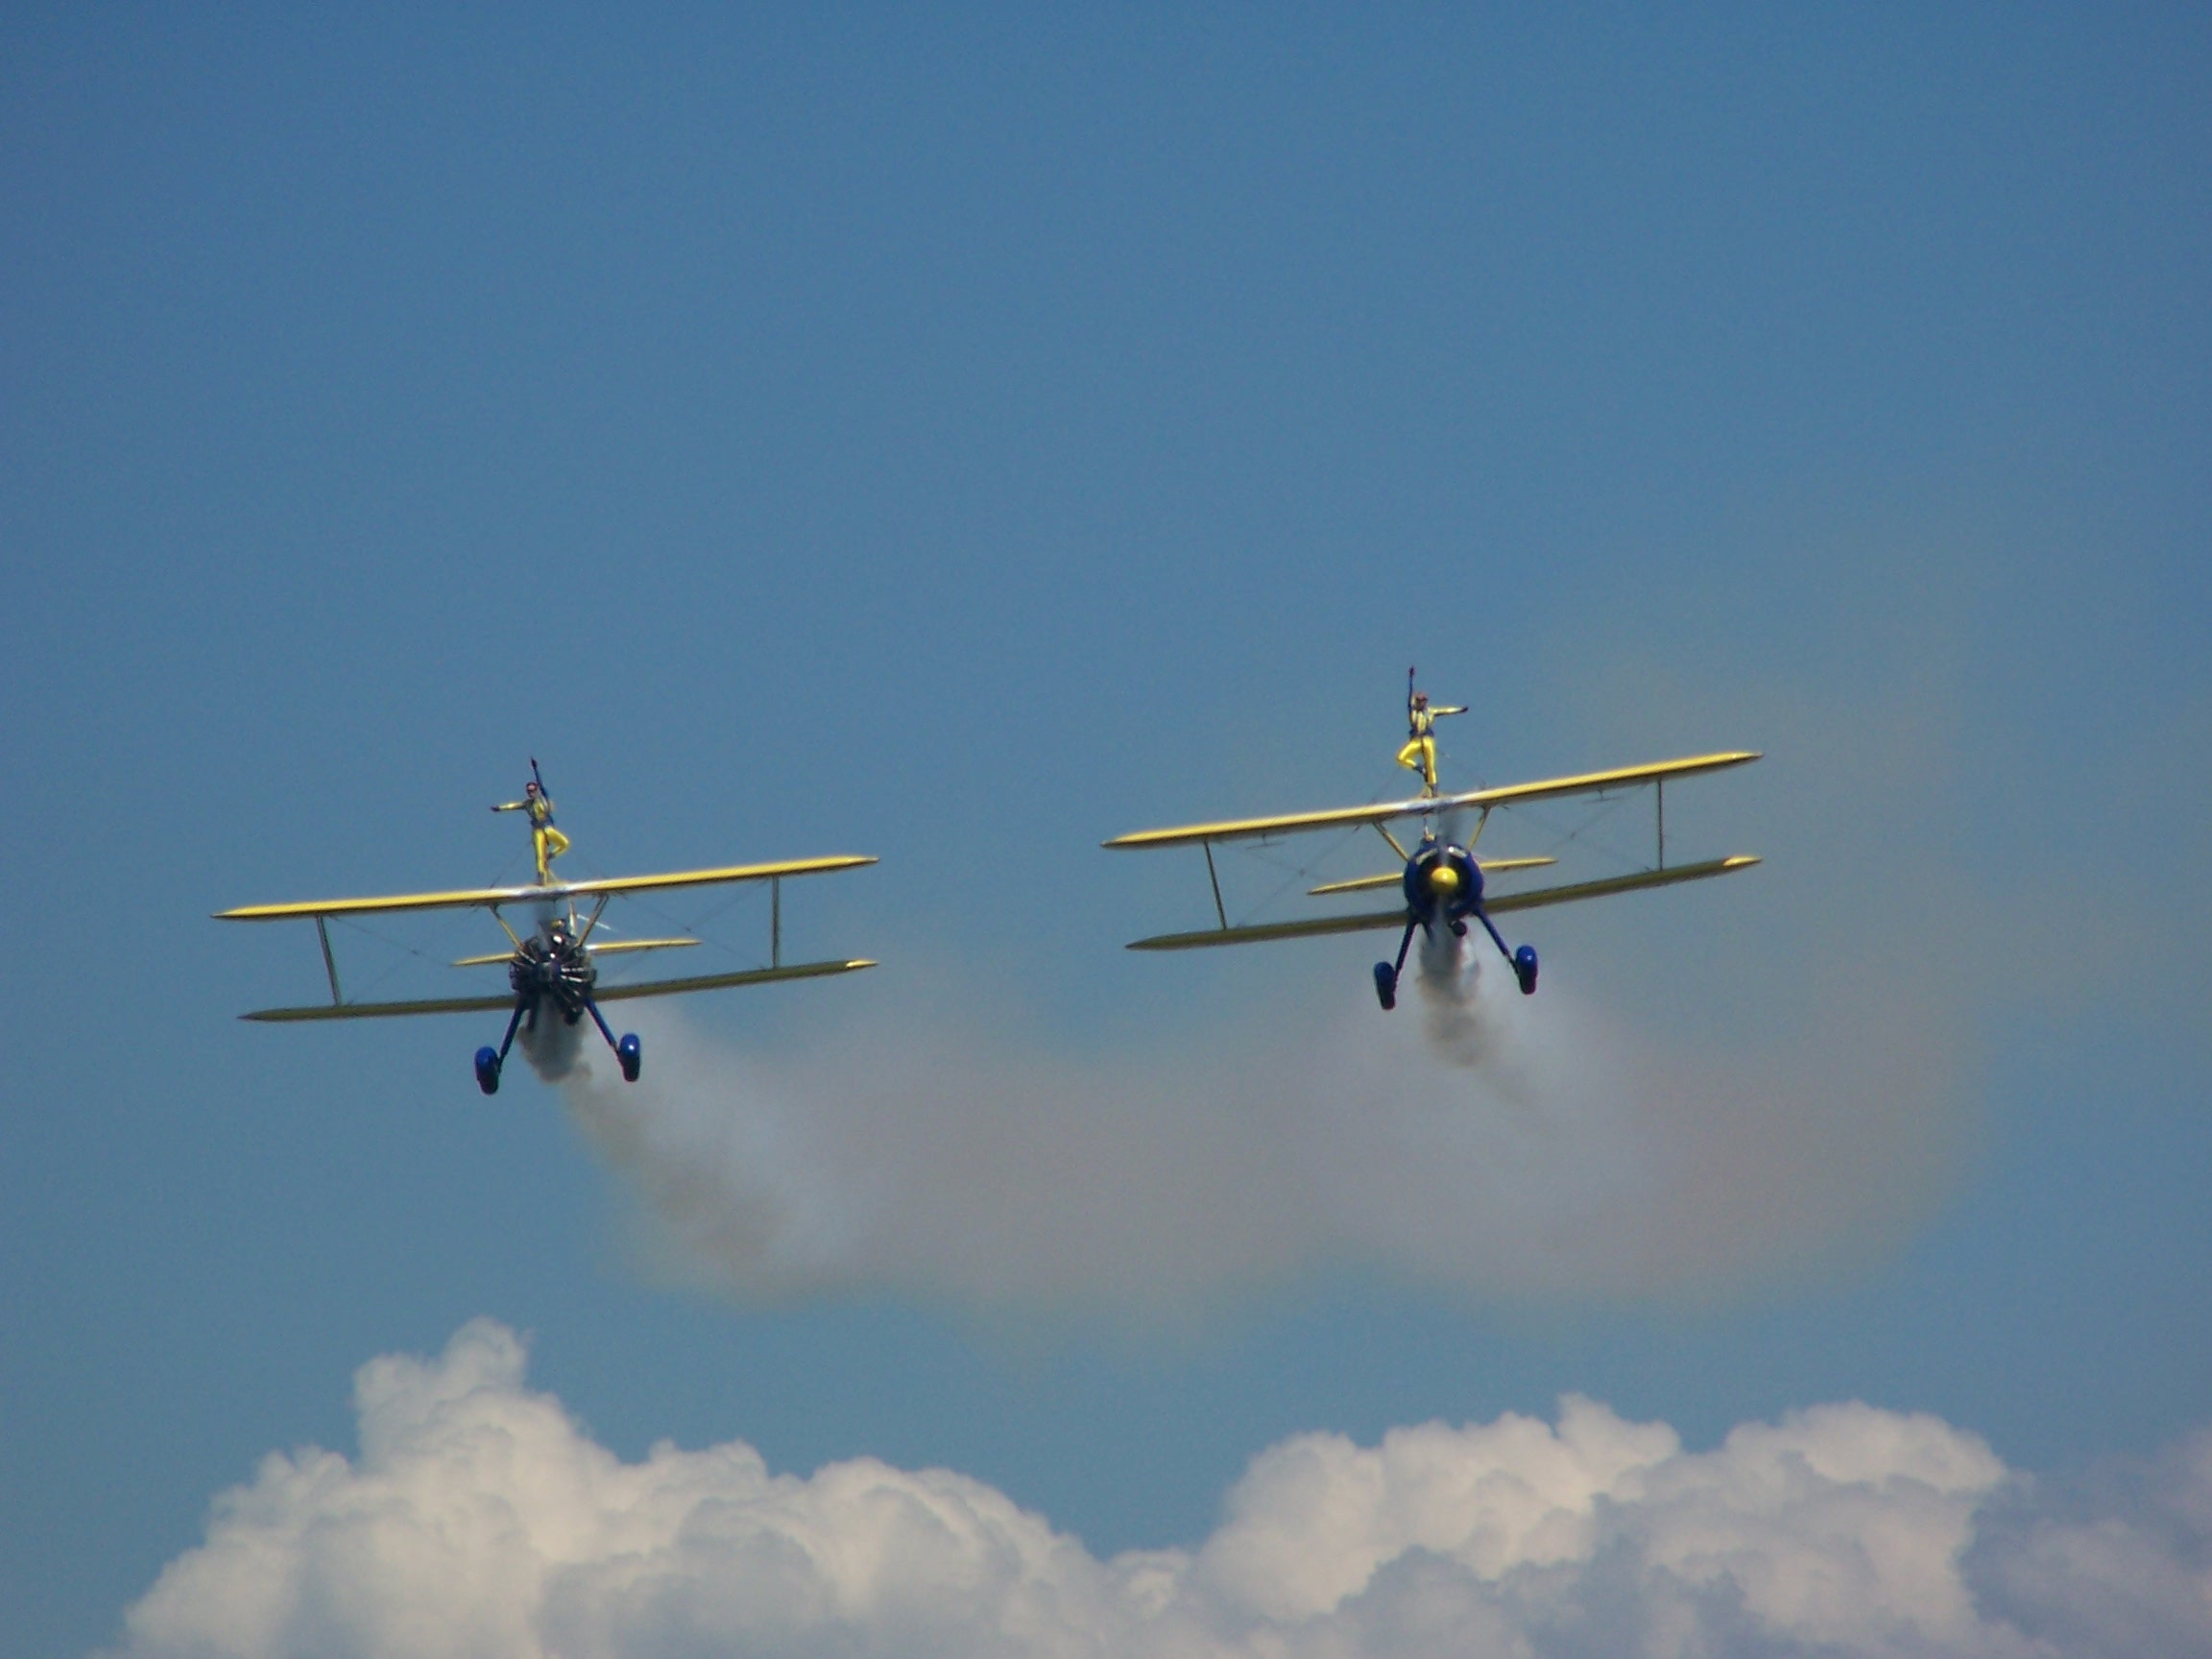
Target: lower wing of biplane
(552, 970)
(1441, 880)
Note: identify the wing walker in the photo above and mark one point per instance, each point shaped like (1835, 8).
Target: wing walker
(1440, 880)
(553, 968)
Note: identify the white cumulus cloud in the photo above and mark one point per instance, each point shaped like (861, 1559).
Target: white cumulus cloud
(479, 1520)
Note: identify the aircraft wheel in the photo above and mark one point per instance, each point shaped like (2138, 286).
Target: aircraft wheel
(1387, 986)
(1524, 969)
(488, 1069)
(1458, 929)
(630, 1055)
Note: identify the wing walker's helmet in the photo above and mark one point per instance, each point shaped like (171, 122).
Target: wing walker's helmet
(531, 787)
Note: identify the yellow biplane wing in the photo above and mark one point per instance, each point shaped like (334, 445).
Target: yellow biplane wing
(1382, 811)
(602, 994)
(1315, 927)
(491, 898)
(1392, 877)
(597, 948)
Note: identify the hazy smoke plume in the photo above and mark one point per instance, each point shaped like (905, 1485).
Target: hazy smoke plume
(1505, 1146)
(479, 1522)
(1460, 1025)
(553, 1046)
(1770, 1075)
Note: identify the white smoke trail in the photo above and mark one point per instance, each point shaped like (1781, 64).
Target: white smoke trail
(1526, 1147)
(1456, 1017)
(1796, 1096)
(552, 1045)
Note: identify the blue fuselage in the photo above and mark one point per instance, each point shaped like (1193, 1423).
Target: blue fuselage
(1443, 882)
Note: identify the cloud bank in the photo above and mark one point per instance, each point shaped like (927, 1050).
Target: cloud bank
(480, 1521)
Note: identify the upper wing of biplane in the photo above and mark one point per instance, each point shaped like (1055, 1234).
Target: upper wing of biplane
(1381, 812)
(1316, 926)
(493, 896)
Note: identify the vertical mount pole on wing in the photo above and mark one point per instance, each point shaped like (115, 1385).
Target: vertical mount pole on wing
(1221, 914)
(329, 962)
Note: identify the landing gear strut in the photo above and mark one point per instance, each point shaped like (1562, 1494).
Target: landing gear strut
(1387, 972)
(1522, 961)
(629, 1054)
(490, 1060)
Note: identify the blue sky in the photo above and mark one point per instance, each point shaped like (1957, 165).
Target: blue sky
(963, 437)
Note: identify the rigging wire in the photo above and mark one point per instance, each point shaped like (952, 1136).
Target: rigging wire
(446, 929)
(696, 924)
(1606, 805)
(390, 968)
(1579, 836)
(1256, 851)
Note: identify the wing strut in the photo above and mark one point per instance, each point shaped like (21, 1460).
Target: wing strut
(1221, 914)
(775, 921)
(329, 962)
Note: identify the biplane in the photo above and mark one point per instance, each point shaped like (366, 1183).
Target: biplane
(1441, 882)
(553, 968)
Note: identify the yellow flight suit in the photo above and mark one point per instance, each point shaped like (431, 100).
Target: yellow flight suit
(545, 841)
(1420, 752)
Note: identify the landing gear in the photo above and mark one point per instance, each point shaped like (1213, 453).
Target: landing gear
(629, 1054)
(1387, 972)
(1522, 961)
(490, 1060)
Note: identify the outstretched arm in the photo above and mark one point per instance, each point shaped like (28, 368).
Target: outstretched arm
(512, 807)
